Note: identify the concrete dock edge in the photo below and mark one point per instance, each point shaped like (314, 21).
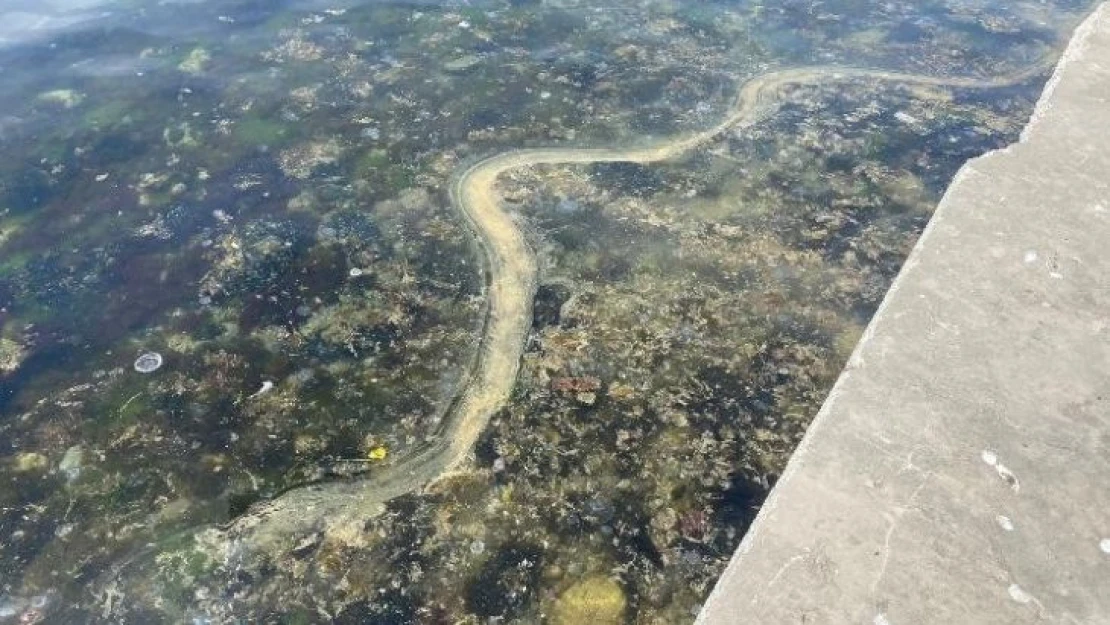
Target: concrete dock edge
(959, 471)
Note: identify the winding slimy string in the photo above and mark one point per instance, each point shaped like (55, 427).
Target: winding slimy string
(511, 281)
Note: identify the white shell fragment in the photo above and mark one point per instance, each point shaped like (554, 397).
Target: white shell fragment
(267, 385)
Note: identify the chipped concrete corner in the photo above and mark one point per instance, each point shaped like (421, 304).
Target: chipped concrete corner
(957, 472)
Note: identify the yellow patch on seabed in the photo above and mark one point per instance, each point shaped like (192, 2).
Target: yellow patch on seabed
(378, 453)
(28, 462)
(597, 600)
(196, 62)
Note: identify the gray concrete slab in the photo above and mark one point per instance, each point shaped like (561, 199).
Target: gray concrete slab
(959, 472)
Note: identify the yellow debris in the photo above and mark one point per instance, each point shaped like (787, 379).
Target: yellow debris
(378, 453)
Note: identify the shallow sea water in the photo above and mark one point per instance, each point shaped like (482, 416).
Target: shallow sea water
(233, 272)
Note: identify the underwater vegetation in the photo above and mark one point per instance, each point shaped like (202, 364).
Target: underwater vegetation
(230, 268)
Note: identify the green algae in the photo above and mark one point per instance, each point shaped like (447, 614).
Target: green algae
(113, 113)
(255, 131)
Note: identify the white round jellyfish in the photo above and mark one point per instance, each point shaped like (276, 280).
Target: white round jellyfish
(148, 362)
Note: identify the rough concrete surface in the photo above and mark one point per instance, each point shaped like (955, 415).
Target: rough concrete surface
(959, 471)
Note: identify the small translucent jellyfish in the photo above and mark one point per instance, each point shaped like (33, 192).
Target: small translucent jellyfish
(148, 362)
(9, 607)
